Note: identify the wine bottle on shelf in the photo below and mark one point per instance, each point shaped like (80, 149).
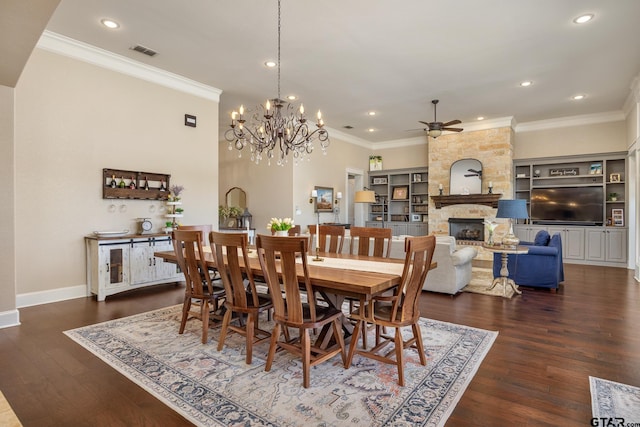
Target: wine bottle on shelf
(113, 183)
(132, 184)
(146, 183)
(163, 186)
(121, 183)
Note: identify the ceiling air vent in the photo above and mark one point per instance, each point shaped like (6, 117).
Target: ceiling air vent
(145, 50)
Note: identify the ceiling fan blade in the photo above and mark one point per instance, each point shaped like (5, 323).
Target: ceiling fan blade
(414, 130)
(424, 123)
(453, 129)
(452, 122)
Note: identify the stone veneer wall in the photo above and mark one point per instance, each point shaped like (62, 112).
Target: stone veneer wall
(494, 149)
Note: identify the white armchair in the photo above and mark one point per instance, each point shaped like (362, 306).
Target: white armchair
(454, 266)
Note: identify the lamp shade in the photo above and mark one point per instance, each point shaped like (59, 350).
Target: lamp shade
(516, 209)
(365, 196)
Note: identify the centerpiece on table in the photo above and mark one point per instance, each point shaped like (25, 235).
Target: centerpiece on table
(280, 226)
(491, 227)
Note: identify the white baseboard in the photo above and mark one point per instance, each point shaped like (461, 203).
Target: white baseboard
(53, 295)
(9, 318)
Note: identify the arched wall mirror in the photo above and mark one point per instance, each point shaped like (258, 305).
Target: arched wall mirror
(466, 177)
(236, 197)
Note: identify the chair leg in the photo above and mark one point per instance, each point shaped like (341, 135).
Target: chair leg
(337, 330)
(399, 361)
(354, 343)
(418, 336)
(223, 331)
(305, 342)
(204, 314)
(186, 306)
(249, 331)
(272, 347)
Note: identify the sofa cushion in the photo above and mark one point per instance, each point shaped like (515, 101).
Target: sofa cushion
(542, 238)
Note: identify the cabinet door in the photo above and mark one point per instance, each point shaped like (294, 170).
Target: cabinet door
(141, 262)
(572, 241)
(417, 229)
(113, 262)
(595, 248)
(616, 245)
(164, 270)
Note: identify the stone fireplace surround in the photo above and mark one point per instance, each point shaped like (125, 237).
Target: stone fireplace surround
(494, 149)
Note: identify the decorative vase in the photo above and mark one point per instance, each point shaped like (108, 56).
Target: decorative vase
(282, 233)
(490, 239)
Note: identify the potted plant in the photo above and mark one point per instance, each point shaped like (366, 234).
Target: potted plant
(280, 226)
(179, 211)
(613, 196)
(168, 227)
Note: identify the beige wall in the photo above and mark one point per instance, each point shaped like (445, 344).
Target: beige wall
(275, 191)
(414, 156)
(7, 194)
(574, 140)
(72, 120)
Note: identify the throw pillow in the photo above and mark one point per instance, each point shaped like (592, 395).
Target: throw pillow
(542, 238)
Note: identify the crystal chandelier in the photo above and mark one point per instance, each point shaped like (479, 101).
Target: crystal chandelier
(275, 129)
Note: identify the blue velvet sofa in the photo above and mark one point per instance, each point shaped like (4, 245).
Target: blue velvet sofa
(540, 267)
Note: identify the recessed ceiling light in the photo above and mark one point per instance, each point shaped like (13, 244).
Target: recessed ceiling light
(371, 113)
(578, 97)
(270, 64)
(372, 130)
(109, 23)
(480, 118)
(583, 18)
(526, 83)
(292, 97)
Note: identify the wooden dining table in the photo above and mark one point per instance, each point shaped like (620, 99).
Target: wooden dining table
(333, 283)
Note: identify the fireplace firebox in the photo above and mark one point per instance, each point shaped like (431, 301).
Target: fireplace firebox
(467, 229)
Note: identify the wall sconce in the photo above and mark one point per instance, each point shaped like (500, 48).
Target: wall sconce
(314, 194)
(338, 197)
(490, 187)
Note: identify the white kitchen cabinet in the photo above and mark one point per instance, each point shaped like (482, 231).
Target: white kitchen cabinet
(120, 264)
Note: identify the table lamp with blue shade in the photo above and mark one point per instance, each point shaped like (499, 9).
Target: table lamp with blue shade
(512, 209)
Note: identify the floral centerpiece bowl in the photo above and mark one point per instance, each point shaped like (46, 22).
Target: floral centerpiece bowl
(280, 226)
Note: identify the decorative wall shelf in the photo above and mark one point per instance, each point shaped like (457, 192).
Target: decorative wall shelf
(158, 185)
(490, 200)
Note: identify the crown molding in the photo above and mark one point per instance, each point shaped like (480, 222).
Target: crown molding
(335, 133)
(75, 49)
(562, 122)
(501, 122)
(633, 98)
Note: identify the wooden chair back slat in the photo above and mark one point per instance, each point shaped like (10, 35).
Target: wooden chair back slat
(187, 245)
(381, 237)
(333, 233)
(235, 247)
(204, 228)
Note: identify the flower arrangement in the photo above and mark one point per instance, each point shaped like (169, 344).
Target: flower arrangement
(278, 224)
(175, 192)
(491, 226)
(225, 212)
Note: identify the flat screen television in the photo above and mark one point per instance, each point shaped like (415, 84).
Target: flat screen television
(567, 205)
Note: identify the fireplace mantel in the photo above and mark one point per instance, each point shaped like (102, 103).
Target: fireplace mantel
(490, 200)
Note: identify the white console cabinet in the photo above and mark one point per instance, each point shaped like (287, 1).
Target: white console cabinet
(118, 264)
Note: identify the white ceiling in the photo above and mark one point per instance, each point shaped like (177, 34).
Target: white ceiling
(394, 57)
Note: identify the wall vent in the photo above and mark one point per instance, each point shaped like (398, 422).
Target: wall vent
(145, 50)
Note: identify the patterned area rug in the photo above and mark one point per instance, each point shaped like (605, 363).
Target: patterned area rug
(212, 388)
(610, 399)
(481, 279)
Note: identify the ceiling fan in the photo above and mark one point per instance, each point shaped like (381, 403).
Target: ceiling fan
(435, 128)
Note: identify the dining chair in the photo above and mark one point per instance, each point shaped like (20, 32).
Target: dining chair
(200, 289)
(277, 256)
(334, 234)
(204, 228)
(398, 310)
(241, 300)
(381, 238)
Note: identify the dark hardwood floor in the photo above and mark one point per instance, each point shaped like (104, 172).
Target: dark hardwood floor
(536, 373)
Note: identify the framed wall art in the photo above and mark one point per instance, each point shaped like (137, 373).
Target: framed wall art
(324, 201)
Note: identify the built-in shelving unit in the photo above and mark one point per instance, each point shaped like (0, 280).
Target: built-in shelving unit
(603, 243)
(402, 200)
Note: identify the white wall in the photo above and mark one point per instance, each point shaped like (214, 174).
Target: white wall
(72, 120)
(7, 213)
